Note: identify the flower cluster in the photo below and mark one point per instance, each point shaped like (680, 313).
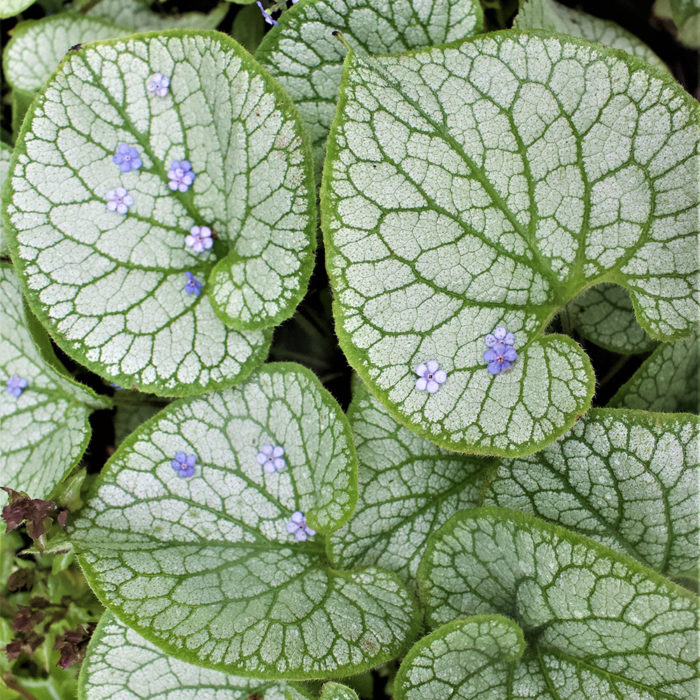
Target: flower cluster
(500, 354)
(180, 175)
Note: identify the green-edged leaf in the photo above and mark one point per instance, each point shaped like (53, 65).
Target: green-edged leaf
(137, 15)
(10, 8)
(111, 287)
(605, 316)
(336, 691)
(598, 624)
(625, 478)
(20, 101)
(667, 381)
(686, 15)
(205, 568)
(548, 14)
(121, 665)
(45, 429)
(37, 46)
(5, 155)
(305, 56)
(129, 415)
(462, 660)
(536, 166)
(408, 488)
(248, 28)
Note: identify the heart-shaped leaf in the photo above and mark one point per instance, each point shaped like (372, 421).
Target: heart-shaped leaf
(625, 478)
(43, 412)
(548, 14)
(598, 624)
(667, 381)
(462, 660)
(537, 166)
(605, 316)
(209, 163)
(203, 533)
(307, 58)
(408, 488)
(121, 665)
(5, 156)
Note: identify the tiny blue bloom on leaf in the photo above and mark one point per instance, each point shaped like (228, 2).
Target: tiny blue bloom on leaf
(158, 84)
(199, 239)
(270, 457)
(127, 158)
(297, 526)
(266, 15)
(501, 353)
(119, 200)
(430, 376)
(16, 385)
(193, 285)
(180, 175)
(184, 465)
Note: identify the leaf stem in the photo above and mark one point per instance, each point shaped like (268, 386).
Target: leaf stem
(614, 369)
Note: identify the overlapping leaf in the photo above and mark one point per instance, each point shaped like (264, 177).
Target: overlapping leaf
(598, 624)
(686, 15)
(625, 478)
(137, 16)
(112, 286)
(605, 316)
(5, 155)
(336, 691)
(121, 665)
(45, 428)
(536, 165)
(667, 381)
(462, 660)
(10, 8)
(408, 488)
(548, 14)
(305, 56)
(205, 568)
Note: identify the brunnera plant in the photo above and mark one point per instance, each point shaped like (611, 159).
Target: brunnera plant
(507, 218)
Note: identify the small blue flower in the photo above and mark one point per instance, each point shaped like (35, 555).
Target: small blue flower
(158, 84)
(193, 285)
(501, 353)
(184, 464)
(199, 239)
(297, 526)
(430, 376)
(119, 200)
(270, 457)
(266, 15)
(16, 385)
(180, 175)
(127, 158)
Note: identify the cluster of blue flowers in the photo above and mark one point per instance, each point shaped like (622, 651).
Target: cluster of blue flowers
(501, 353)
(180, 178)
(500, 356)
(271, 459)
